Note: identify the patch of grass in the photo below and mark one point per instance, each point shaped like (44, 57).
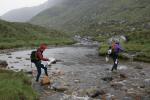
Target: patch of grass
(103, 49)
(144, 56)
(16, 86)
(101, 38)
(132, 47)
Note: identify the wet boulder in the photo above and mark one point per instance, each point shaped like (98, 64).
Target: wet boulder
(147, 90)
(74, 97)
(147, 82)
(59, 86)
(46, 81)
(132, 92)
(117, 85)
(27, 59)
(138, 67)
(95, 92)
(8, 54)
(147, 25)
(108, 79)
(77, 81)
(133, 29)
(3, 64)
(117, 38)
(16, 62)
(18, 57)
(142, 73)
(12, 67)
(10, 57)
(124, 88)
(109, 96)
(58, 72)
(123, 76)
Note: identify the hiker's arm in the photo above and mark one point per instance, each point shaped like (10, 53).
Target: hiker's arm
(120, 48)
(40, 56)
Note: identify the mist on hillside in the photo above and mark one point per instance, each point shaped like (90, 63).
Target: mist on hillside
(26, 13)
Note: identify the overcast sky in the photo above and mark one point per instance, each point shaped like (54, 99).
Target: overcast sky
(7, 5)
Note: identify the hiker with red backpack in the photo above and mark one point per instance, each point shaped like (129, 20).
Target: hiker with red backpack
(115, 50)
(37, 57)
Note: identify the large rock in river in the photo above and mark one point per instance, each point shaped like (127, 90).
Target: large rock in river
(3, 64)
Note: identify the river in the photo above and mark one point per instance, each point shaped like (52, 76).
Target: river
(84, 71)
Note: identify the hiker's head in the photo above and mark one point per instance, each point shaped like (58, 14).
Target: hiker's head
(43, 47)
(113, 41)
(117, 43)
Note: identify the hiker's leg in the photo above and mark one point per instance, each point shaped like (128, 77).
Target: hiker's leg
(38, 74)
(45, 69)
(113, 67)
(37, 64)
(116, 62)
(113, 62)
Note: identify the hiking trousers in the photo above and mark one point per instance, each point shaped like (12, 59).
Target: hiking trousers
(39, 65)
(115, 61)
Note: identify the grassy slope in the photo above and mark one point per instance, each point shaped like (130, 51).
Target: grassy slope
(23, 34)
(75, 15)
(16, 86)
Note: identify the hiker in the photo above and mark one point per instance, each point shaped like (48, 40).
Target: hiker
(37, 60)
(115, 50)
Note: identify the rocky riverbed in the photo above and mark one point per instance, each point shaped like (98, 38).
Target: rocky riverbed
(83, 75)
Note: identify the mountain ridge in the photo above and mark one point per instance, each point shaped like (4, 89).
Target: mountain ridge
(26, 13)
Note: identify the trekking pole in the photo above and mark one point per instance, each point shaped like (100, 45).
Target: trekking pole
(31, 65)
(32, 70)
(32, 75)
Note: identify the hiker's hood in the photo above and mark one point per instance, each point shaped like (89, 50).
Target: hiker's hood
(43, 46)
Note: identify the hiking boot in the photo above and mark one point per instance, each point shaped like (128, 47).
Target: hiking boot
(114, 71)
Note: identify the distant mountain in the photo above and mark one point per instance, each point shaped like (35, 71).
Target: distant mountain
(25, 14)
(75, 15)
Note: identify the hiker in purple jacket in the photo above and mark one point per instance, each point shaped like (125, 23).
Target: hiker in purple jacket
(115, 51)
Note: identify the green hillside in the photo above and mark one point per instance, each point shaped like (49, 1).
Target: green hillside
(23, 35)
(74, 15)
